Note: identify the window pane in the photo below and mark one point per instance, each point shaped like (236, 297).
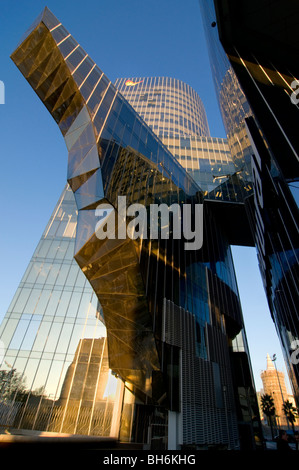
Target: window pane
(43, 273)
(42, 302)
(42, 336)
(62, 248)
(75, 58)
(64, 339)
(81, 279)
(55, 379)
(63, 304)
(53, 249)
(62, 226)
(70, 230)
(74, 304)
(67, 46)
(53, 303)
(83, 70)
(40, 380)
(90, 83)
(53, 273)
(43, 248)
(30, 371)
(34, 271)
(98, 94)
(30, 335)
(72, 276)
(71, 250)
(59, 33)
(22, 299)
(19, 334)
(53, 337)
(63, 272)
(9, 331)
(75, 338)
(53, 228)
(84, 306)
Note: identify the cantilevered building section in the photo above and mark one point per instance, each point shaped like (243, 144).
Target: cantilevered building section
(175, 334)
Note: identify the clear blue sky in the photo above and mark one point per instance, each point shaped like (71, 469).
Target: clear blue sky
(125, 38)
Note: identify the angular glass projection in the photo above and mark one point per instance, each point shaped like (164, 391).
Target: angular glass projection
(99, 127)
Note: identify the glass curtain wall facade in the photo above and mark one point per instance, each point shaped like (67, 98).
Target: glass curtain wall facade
(164, 307)
(261, 61)
(55, 375)
(232, 102)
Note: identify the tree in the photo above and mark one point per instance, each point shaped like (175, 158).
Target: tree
(291, 413)
(269, 409)
(12, 386)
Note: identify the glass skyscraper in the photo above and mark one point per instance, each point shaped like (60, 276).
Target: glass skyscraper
(170, 367)
(255, 79)
(51, 330)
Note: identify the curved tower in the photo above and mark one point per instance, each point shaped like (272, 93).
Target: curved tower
(169, 106)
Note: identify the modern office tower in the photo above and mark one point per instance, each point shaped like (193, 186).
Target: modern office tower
(274, 385)
(175, 333)
(261, 66)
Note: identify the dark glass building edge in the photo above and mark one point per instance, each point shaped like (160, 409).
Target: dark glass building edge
(41, 62)
(262, 66)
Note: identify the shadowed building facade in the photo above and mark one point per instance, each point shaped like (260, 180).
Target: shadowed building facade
(211, 161)
(175, 333)
(169, 106)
